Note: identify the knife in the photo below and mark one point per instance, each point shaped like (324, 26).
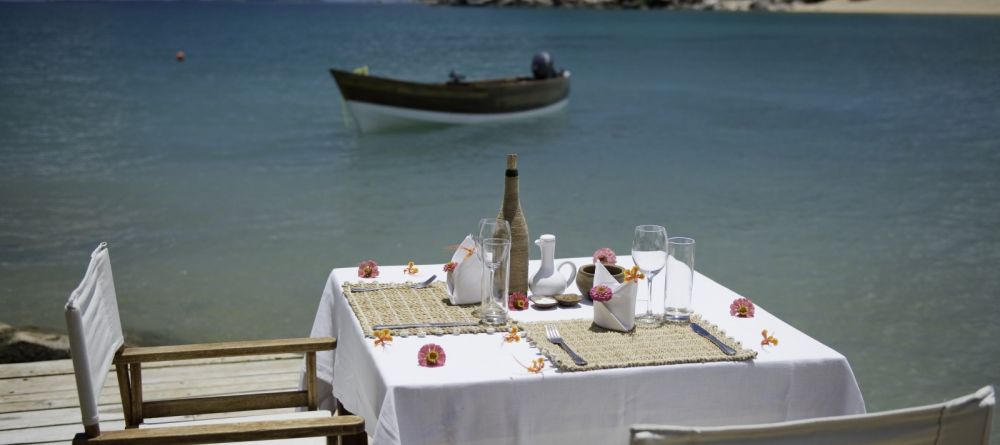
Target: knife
(450, 324)
(702, 332)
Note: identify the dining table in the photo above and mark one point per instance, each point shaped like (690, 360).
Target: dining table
(485, 392)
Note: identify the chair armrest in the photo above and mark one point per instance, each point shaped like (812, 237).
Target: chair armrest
(226, 349)
(232, 432)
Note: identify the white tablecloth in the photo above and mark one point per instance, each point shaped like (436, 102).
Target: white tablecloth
(483, 396)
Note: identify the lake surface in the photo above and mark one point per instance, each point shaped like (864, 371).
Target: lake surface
(842, 171)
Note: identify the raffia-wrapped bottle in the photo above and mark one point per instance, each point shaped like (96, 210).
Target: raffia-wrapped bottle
(511, 211)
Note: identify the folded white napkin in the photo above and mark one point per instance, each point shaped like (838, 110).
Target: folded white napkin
(465, 282)
(618, 313)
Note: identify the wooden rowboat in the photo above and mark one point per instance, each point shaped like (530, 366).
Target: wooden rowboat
(378, 103)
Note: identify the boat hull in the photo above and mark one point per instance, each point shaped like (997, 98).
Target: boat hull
(374, 117)
(379, 103)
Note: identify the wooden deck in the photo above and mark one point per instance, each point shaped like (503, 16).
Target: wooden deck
(39, 404)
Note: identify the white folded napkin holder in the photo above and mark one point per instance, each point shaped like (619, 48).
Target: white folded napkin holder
(465, 281)
(618, 313)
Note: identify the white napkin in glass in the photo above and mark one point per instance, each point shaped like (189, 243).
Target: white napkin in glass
(465, 282)
(618, 313)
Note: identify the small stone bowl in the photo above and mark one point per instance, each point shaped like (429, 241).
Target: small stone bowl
(568, 299)
(585, 277)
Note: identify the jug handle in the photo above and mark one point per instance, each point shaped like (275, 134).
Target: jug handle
(572, 275)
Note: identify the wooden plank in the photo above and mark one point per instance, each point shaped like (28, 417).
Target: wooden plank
(207, 350)
(232, 432)
(68, 399)
(283, 377)
(220, 404)
(49, 383)
(58, 367)
(311, 379)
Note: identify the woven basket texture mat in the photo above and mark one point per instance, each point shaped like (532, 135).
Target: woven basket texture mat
(395, 305)
(669, 344)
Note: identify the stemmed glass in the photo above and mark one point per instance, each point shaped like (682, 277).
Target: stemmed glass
(496, 255)
(488, 228)
(649, 252)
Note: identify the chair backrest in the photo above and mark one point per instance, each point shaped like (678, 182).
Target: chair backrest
(95, 332)
(962, 421)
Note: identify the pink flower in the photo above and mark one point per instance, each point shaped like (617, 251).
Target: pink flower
(431, 356)
(601, 293)
(368, 269)
(450, 266)
(518, 301)
(742, 308)
(605, 256)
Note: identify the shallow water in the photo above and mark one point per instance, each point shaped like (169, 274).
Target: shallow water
(841, 171)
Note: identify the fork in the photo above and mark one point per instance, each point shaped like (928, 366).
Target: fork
(553, 334)
(420, 285)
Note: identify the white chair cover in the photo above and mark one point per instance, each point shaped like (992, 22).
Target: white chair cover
(95, 331)
(962, 421)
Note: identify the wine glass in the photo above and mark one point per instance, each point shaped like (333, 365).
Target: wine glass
(649, 252)
(488, 228)
(496, 256)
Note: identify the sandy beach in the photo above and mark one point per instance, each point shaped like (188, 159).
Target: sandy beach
(958, 7)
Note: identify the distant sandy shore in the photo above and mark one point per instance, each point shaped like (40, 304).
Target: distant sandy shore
(961, 7)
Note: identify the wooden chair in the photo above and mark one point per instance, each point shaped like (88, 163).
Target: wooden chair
(96, 341)
(962, 421)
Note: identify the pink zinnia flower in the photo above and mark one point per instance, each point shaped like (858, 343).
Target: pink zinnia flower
(601, 293)
(605, 256)
(742, 308)
(368, 269)
(450, 266)
(431, 356)
(517, 301)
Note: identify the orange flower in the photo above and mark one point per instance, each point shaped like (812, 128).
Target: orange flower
(469, 251)
(536, 366)
(513, 336)
(450, 266)
(633, 274)
(411, 269)
(768, 339)
(382, 337)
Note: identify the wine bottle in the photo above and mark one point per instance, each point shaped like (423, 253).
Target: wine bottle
(511, 211)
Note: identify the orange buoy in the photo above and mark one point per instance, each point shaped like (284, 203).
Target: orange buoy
(180, 56)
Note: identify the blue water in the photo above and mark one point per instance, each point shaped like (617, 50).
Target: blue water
(842, 171)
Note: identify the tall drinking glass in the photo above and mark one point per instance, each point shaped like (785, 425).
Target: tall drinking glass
(489, 228)
(649, 252)
(680, 279)
(496, 257)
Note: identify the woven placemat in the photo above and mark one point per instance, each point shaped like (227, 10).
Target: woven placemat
(603, 349)
(396, 305)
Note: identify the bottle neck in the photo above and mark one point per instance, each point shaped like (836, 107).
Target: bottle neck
(511, 193)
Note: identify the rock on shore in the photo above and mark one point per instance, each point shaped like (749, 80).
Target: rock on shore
(713, 5)
(19, 345)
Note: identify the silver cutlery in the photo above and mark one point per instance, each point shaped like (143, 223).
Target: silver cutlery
(420, 285)
(702, 332)
(553, 335)
(450, 324)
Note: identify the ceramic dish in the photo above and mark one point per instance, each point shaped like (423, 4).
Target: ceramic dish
(568, 299)
(544, 302)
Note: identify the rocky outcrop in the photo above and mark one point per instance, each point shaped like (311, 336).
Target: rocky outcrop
(710, 5)
(18, 345)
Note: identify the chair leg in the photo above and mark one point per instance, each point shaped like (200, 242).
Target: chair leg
(354, 439)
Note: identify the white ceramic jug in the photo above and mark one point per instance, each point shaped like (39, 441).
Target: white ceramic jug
(547, 281)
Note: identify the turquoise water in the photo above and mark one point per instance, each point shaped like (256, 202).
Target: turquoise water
(842, 171)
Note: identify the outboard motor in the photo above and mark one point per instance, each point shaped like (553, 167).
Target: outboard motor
(542, 66)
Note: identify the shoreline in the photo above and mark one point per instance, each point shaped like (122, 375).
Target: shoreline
(916, 7)
(904, 7)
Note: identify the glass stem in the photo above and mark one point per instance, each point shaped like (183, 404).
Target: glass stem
(649, 302)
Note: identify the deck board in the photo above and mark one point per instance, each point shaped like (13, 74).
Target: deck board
(38, 401)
